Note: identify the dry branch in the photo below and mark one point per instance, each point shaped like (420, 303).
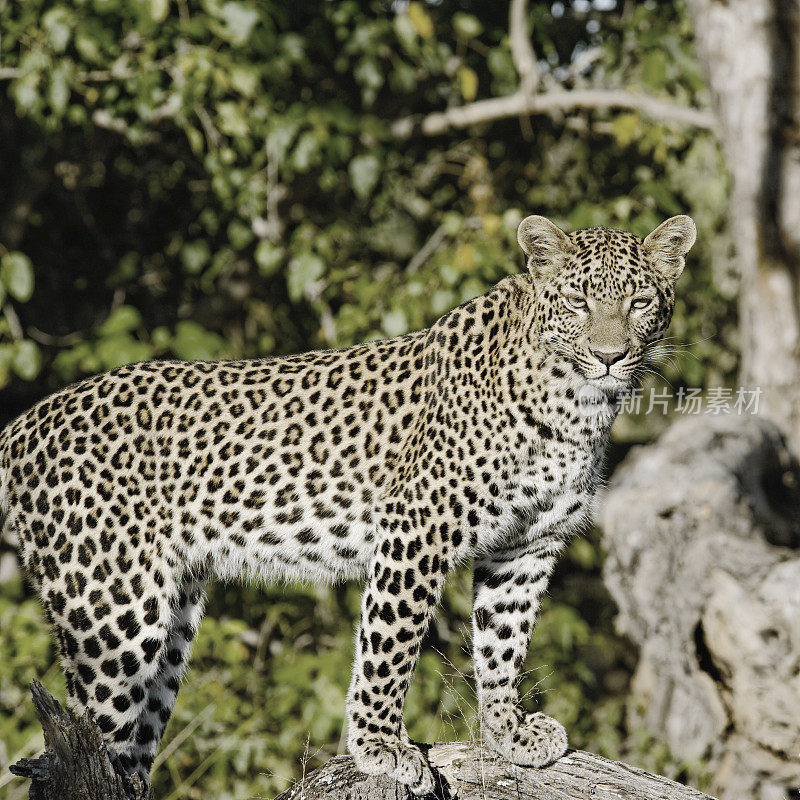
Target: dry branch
(553, 102)
(468, 771)
(526, 102)
(76, 764)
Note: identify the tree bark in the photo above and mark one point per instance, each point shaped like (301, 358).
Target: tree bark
(702, 534)
(469, 771)
(76, 764)
(750, 50)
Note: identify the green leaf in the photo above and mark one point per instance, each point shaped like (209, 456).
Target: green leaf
(368, 73)
(468, 82)
(58, 25)
(268, 257)
(280, 137)
(158, 10)
(501, 64)
(364, 173)
(6, 362)
(626, 127)
(305, 152)
(27, 359)
(195, 256)
(16, 273)
(122, 320)
(194, 343)
(239, 21)
(120, 349)
(420, 19)
(303, 270)
(239, 234)
(467, 26)
(406, 32)
(59, 92)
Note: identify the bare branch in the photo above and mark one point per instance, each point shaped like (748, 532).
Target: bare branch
(14, 325)
(427, 250)
(552, 102)
(522, 52)
(103, 119)
(51, 340)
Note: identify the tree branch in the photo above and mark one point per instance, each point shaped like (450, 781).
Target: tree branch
(468, 771)
(522, 52)
(518, 103)
(525, 102)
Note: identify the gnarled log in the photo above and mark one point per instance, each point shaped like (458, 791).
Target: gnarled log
(702, 531)
(76, 764)
(470, 771)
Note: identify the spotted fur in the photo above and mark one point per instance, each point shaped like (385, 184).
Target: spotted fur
(389, 461)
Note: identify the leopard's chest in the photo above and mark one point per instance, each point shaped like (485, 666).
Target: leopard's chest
(545, 492)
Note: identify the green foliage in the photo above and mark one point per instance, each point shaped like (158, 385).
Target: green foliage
(232, 165)
(220, 179)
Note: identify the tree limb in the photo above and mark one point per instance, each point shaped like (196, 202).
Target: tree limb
(519, 103)
(468, 771)
(525, 102)
(522, 52)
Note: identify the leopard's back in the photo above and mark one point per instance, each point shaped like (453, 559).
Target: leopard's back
(266, 466)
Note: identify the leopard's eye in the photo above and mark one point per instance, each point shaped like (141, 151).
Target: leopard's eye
(575, 302)
(639, 303)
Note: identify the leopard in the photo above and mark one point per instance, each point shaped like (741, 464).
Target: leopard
(480, 438)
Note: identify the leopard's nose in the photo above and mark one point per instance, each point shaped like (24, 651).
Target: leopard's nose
(609, 357)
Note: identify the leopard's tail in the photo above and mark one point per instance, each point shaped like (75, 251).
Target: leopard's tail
(5, 476)
(6, 522)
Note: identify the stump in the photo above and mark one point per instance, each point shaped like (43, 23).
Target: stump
(702, 531)
(77, 766)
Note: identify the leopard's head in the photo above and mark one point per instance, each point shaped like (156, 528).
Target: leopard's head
(602, 297)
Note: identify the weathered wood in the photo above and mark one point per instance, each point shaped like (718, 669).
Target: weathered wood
(76, 764)
(750, 50)
(470, 771)
(702, 534)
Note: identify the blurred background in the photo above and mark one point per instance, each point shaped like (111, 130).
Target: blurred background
(230, 178)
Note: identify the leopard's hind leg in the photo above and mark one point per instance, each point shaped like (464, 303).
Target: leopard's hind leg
(113, 644)
(162, 690)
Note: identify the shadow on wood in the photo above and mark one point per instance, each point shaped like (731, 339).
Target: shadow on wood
(77, 766)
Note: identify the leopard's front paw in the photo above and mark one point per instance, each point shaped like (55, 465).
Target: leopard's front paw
(528, 740)
(399, 759)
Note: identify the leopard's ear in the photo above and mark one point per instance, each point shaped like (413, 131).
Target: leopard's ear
(545, 245)
(669, 243)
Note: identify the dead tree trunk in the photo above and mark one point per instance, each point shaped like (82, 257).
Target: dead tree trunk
(750, 50)
(76, 766)
(702, 531)
(468, 771)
